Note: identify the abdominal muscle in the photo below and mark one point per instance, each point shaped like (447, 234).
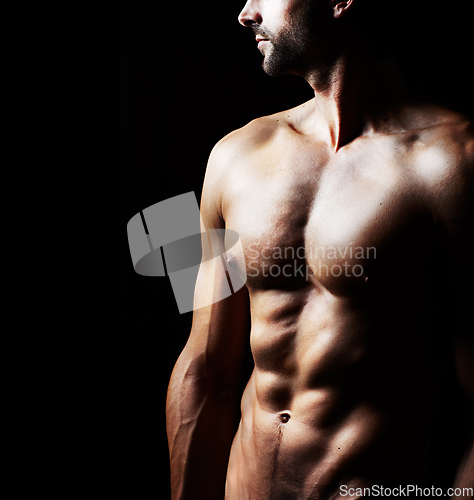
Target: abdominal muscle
(308, 423)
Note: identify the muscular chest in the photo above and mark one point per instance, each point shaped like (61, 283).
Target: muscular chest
(308, 216)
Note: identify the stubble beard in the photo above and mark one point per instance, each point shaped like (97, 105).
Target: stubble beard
(285, 52)
(294, 48)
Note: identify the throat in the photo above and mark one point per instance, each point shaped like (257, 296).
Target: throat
(352, 95)
(336, 123)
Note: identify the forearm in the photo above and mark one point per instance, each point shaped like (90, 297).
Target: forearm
(464, 360)
(202, 418)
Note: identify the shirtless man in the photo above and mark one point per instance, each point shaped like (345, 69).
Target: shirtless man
(371, 194)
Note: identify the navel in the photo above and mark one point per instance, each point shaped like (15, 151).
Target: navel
(284, 417)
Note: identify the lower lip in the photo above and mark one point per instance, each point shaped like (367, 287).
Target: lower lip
(260, 44)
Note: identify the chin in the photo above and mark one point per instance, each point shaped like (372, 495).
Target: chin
(277, 62)
(272, 68)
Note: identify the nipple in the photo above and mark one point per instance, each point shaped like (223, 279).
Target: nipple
(284, 417)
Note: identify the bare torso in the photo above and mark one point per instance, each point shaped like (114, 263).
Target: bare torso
(340, 250)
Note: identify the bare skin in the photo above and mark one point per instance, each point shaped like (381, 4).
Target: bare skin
(328, 351)
(341, 205)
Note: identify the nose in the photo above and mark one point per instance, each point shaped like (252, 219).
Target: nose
(250, 14)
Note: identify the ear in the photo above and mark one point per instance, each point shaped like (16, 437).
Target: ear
(340, 8)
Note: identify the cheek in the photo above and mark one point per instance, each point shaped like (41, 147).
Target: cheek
(277, 13)
(293, 13)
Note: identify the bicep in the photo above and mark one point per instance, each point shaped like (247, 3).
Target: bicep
(454, 214)
(221, 319)
(221, 323)
(459, 230)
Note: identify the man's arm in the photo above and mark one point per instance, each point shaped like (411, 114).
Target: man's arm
(462, 286)
(203, 404)
(456, 210)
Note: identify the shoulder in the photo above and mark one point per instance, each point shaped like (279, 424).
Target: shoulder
(258, 134)
(443, 161)
(445, 149)
(248, 140)
(235, 156)
(239, 145)
(256, 138)
(240, 152)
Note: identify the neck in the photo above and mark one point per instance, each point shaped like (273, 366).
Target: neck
(353, 95)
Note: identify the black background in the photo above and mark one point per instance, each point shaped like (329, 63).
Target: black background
(190, 74)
